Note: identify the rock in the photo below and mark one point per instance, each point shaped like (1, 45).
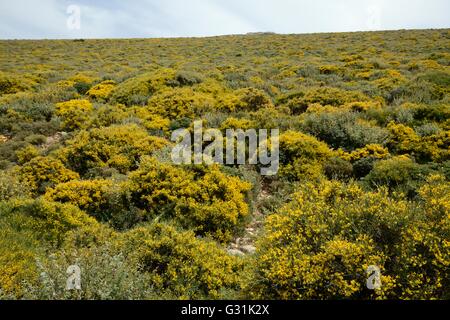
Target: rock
(248, 249)
(243, 241)
(235, 252)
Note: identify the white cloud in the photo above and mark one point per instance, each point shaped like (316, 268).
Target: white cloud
(154, 18)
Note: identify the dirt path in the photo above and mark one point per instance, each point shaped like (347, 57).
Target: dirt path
(246, 244)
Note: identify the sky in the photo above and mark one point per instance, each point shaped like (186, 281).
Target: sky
(57, 19)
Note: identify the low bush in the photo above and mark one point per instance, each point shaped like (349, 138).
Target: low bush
(41, 173)
(181, 264)
(302, 156)
(343, 130)
(102, 90)
(117, 146)
(142, 87)
(180, 103)
(398, 173)
(74, 113)
(202, 199)
(298, 102)
(309, 251)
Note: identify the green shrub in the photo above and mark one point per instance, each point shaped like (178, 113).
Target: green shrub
(337, 168)
(398, 173)
(187, 78)
(343, 130)
(298, 102)
(105, 275)
(427, 129)
(251, 99)
(36, 139)
(433, 112)
(439, 78)
(417, 92)
(11, 187)
(82, 87)
(362, 167)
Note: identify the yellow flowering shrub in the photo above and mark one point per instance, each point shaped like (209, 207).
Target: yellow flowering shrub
(102, 90)
(138, 89)
(26, 154)
(234, 123)
(74, 113)
(178, 262)
(86, 175)
(435, 147)
(88, 195)
(366, 75)
(117, 146)
(375, 151)
(435, 195)
(17, 259)
(26, 227)
(150, 120)
(48, 220)
(424, 253)
(107, 115)
(42, 172)
(244, 99)
(302, 156)
(227, 101)
(202, 199)
(320, 244)
(404, 139)
(10, 83)
(390, 80)
(177, 103)
(82, 77)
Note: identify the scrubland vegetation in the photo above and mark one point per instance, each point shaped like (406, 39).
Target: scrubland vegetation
(86, 176)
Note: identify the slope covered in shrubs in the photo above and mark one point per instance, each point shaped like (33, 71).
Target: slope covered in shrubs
(86, 176)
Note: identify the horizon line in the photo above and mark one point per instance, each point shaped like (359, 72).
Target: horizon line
(251, 33)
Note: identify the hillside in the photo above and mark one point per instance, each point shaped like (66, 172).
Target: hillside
(87, 178)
